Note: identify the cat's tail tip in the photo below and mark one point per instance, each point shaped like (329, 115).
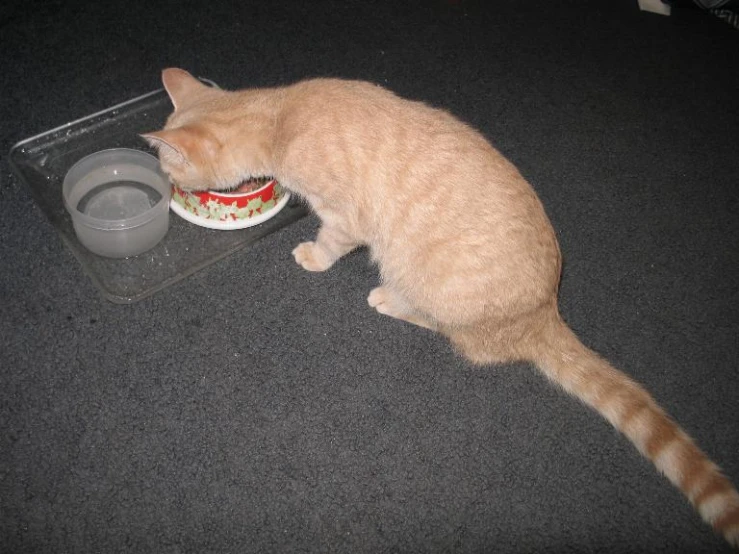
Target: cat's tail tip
(633, 411)
(728, 523)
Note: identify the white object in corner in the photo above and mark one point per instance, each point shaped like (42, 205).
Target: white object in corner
(654, 6)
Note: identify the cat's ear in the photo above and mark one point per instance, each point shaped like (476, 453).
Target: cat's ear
(183, 144)
(180, 84)
(171, 145)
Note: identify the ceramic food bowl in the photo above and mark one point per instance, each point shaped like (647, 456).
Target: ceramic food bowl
(250, 204)
(119, 202)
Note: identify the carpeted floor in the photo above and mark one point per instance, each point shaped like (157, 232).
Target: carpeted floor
(255, 407)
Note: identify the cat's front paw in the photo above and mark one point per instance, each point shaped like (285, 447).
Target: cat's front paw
(311, 257)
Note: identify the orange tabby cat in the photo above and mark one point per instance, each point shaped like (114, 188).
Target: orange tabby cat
(461, 239)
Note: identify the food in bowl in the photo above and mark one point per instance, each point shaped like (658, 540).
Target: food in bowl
(250, 185)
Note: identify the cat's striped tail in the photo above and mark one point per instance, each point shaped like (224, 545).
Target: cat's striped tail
(631, 410)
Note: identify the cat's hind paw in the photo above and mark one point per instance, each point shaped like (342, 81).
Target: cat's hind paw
(387, 303)
(311, 257)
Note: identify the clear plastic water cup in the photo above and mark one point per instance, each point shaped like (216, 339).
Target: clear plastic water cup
(119, 202)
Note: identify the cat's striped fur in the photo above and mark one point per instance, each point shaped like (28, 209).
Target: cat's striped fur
(464, 248)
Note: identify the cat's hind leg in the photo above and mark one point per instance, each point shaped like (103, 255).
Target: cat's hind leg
(388, 302)
(330, 245)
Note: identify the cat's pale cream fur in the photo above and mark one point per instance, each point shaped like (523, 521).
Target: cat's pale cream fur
(461, 239)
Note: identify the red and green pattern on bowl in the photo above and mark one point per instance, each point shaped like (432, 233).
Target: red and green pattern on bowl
(218, 206)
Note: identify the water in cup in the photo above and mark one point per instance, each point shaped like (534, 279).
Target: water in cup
(118, 200)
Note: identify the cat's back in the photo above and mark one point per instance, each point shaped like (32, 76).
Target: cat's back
(330, 103)
(341, 92)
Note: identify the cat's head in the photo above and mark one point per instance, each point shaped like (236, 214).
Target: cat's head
(200, 147)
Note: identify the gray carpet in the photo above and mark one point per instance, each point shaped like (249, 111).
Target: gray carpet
(255, 407)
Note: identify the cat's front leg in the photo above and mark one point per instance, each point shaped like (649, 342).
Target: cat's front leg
(330, 245)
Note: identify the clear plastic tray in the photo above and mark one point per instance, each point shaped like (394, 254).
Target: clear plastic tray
(42, 161)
